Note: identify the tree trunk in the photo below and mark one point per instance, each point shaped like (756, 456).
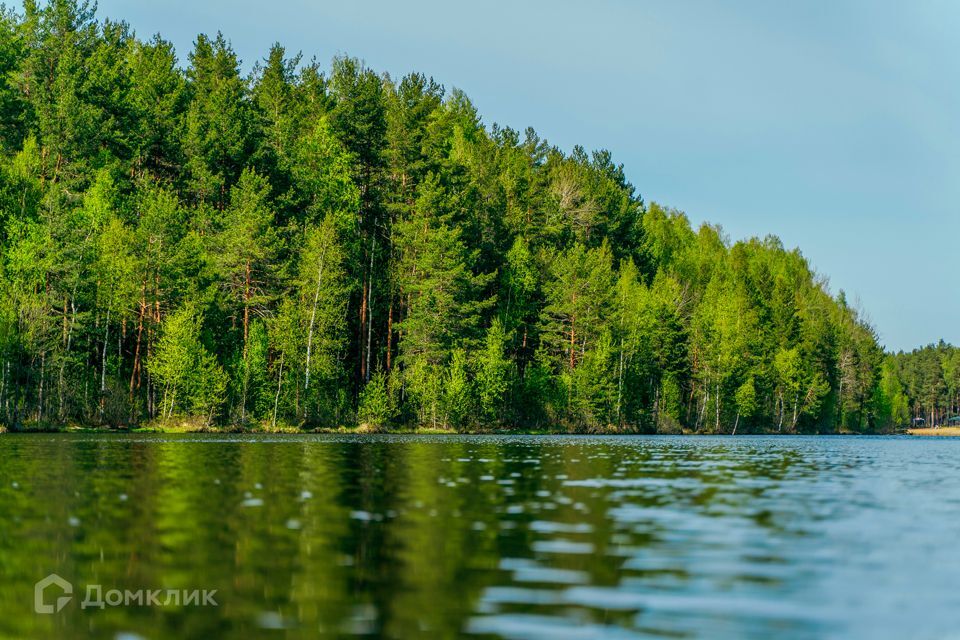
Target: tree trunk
(620, 382)
(63, 362)
(389, 333)
(173, 402)
(135, 371)
(151, 399)
(3, 388)
(780, 412)
(276, 399)
(43, 367)
(313, 317)
(246, 308)
(656, 406)
(363, 326)
(103, 365)
(373, 248)
(716, 426)
(703, 409)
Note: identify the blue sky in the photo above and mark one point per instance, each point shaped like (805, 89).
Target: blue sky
(835, 125)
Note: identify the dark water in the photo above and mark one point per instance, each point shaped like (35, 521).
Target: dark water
(514, 537)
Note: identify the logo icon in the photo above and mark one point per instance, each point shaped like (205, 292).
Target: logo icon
(53, 579)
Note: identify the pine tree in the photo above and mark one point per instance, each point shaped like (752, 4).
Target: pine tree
(217, 135)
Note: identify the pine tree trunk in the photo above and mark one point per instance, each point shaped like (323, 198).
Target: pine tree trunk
(135, 371)
(363, 327)
(373, 248)
(389, 333)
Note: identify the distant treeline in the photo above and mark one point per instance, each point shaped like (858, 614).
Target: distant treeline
(316, 247)
(923, 386)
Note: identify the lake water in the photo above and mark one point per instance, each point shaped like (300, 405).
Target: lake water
(513, 537)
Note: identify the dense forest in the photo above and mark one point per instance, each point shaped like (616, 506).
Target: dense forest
(923, 386)
(309, 247)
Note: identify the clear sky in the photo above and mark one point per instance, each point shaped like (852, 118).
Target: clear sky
(835, 125)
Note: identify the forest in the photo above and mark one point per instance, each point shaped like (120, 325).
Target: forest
(923, 386)
(305, 247)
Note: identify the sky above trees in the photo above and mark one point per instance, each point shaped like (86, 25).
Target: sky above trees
(829, 124)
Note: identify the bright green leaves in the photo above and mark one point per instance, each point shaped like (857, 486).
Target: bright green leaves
(321, 174)
(247, 245)
(375, 406)
(193, 382)
(323, 294)
(578, 294)
(295, 248)
(495, 373)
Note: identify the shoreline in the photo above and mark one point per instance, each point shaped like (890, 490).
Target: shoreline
(366, 430)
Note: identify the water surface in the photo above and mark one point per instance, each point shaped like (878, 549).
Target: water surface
(484, 536)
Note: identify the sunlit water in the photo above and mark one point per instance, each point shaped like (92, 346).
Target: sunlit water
(512, 537)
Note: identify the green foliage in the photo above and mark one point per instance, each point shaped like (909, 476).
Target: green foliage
(193, 382)
(322, 307)
(593, 385)
(256, 397)
(494, 372)
(375, 406)
(457, 391)
(920, 387)
(444, 297)
(746, 398)
(424, 383)
(353, 247)
(217, 130)
(321, 173)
